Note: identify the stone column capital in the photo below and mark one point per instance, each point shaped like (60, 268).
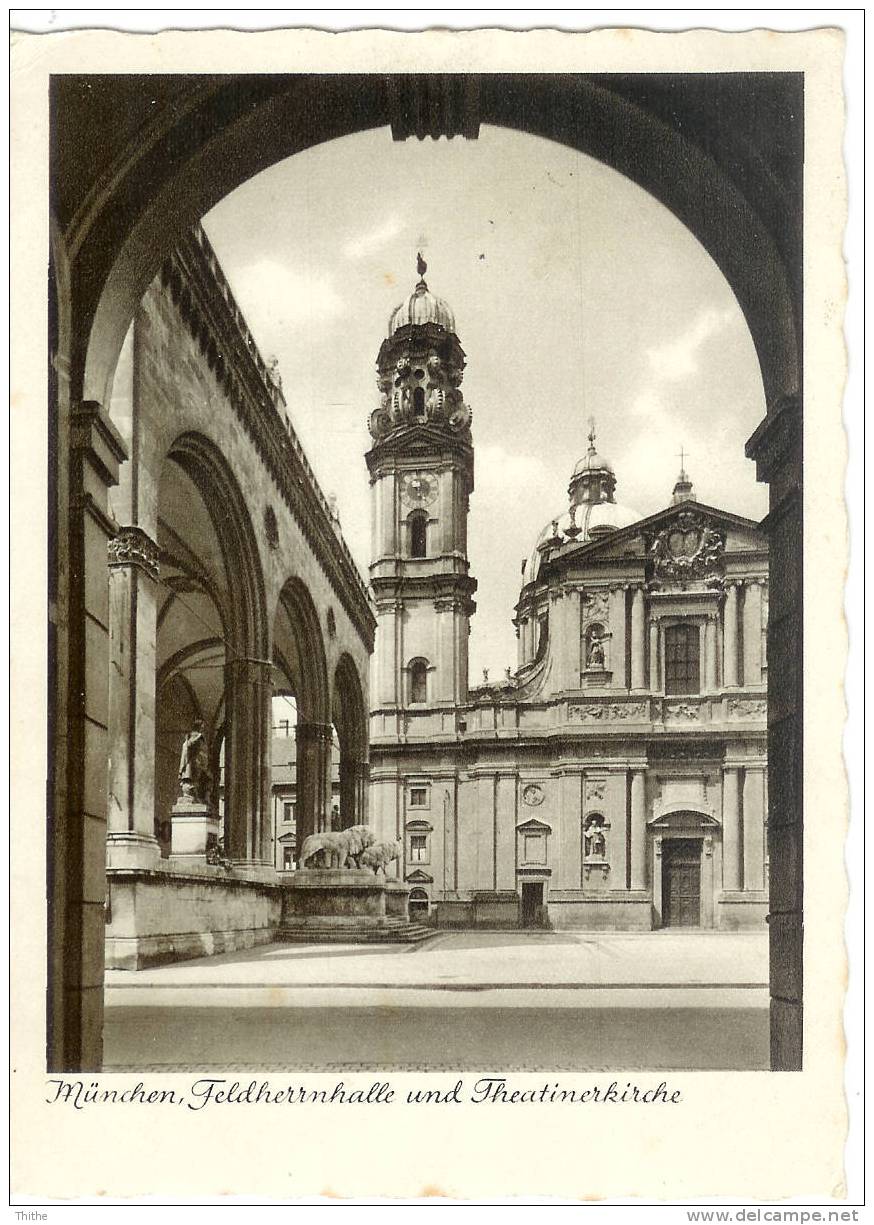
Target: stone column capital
(131, 546)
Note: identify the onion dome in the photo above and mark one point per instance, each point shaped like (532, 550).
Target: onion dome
(421, 307)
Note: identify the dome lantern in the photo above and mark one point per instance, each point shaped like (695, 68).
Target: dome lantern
(593, 478)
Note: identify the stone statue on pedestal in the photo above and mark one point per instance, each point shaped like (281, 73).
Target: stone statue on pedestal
(194, 773)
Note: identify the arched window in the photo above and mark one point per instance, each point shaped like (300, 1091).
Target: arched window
(419, 402)
(682, 653)
(418, 524)
(419, 681)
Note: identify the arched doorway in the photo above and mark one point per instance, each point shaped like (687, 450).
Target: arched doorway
(207, 137)
(684, 877)
(419, 905)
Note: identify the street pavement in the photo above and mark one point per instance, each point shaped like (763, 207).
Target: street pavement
(513, 1001)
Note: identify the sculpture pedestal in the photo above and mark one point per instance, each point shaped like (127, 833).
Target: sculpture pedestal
(195, 829)
(346, 905)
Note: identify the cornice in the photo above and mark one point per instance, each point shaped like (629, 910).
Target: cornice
(195, 279)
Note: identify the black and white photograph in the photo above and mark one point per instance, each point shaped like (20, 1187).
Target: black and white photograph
(427, 486)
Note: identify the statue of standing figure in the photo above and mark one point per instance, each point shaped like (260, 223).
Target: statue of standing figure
(194, 773)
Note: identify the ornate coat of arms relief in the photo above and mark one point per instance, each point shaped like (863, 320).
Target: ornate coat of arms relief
(689, 548)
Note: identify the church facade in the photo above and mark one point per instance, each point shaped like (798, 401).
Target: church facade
(618, 778)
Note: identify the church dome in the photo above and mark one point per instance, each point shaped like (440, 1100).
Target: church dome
(421, 307)
(595, 520)
(591, 462)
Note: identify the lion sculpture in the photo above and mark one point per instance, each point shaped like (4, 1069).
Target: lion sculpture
(379, 855)
(337, 850)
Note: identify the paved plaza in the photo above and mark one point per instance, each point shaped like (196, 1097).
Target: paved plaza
(510, 1001)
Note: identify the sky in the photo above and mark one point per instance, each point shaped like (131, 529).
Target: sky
(575, 293)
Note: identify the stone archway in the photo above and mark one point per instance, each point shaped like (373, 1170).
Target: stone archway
(350, 720)
(301, 668)
(708, 153)
(247, 678)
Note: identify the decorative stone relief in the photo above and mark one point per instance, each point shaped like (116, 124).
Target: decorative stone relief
(596, 605)
(608, 712)
(688, 548)
(682, 710)
(134, 547)
(595, 789)
(747, 708)
(271, 527)
(532, 795)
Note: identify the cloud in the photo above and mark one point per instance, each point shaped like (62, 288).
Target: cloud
(678, 359)
(364, 244)
(276, 298)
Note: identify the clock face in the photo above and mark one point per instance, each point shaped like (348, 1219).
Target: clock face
(419, 488)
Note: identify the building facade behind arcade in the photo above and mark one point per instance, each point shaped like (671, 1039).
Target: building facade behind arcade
(617, 778)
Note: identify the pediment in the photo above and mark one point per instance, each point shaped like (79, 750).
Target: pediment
(740, 534)
(419, 878)
(419, 826)
(683, 817)
(534, 827)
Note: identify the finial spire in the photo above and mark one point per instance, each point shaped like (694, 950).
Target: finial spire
(421, 266)
(683, 490)
(591, 435)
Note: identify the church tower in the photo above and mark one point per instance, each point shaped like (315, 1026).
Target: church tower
(421, 477)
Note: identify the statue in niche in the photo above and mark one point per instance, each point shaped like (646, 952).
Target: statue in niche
(194, 772)
(595, 839)
(595, 640)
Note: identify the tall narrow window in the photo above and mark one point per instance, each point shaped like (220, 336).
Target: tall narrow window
(418, 681)
(418, 522)
(682, 655)
(419, 402)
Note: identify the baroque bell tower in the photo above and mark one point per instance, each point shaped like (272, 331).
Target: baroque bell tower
(421, 478)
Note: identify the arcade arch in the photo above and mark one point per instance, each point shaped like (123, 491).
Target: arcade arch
(208, 137)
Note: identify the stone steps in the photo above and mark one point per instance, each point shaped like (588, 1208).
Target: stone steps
(394, 931)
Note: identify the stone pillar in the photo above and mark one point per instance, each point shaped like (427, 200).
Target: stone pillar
(133, 588)
(354, 776)
(89, 454)
(638, 640)
(654, 685)
(362, 793)
(313, 779)
(754, 829)
(248, 833)
(752, 633)
(638, 829)
(617, 641)
(729, 637)
(710, 674)
(731, 862)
